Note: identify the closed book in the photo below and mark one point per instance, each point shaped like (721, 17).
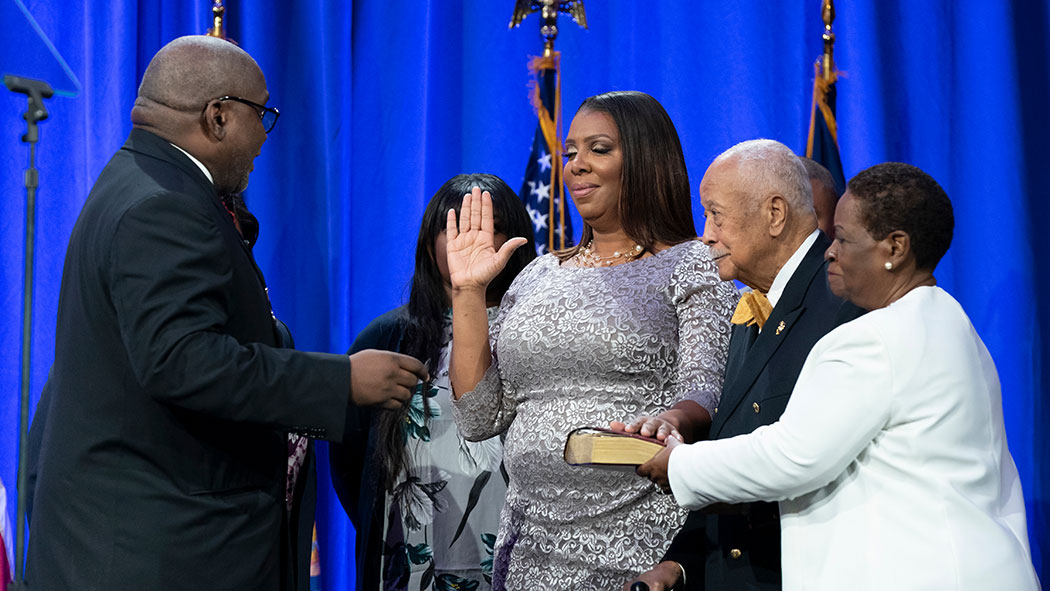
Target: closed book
(589, 446)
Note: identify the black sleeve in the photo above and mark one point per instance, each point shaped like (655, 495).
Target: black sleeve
(170, 284)
(688, 548)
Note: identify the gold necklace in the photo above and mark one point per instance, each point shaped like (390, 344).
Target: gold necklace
(586, 257)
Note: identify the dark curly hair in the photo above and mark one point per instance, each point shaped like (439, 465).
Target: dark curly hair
(896, 196)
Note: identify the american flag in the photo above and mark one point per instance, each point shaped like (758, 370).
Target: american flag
(542, 190)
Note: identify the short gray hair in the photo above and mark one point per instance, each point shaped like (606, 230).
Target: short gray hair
(768, 167)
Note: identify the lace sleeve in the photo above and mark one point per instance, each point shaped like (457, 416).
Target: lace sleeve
(489, 408)
(704, 304)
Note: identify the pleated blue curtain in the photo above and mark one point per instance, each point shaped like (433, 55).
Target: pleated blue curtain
(382, 101)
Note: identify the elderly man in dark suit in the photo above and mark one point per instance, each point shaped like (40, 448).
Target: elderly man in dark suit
(171, 433)
(762, 231)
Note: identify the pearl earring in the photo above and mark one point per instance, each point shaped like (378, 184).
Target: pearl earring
(888, 265)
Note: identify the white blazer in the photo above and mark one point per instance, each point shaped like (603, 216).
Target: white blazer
(890, 462)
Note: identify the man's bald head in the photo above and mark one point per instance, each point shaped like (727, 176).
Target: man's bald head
(178, 101)
(190, 71)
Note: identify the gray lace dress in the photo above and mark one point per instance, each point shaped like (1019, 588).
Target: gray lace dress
(576, 347)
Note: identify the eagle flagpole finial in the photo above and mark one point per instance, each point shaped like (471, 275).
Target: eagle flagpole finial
(548, 10)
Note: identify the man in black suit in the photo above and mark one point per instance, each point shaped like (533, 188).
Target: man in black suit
(762, 231)
(170, 430)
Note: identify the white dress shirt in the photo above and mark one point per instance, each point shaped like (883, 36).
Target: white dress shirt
(784, 274)
(199, 164)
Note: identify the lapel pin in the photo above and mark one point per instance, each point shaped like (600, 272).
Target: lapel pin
(781, 327)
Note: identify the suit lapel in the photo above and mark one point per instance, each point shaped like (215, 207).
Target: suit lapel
(745, 365)
(154, 146)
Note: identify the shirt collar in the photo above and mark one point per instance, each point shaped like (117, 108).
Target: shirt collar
(784, 275)
(199, 164)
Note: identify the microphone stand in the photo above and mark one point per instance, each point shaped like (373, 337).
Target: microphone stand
(36, 91)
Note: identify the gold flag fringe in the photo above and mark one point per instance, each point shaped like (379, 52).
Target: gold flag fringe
(550, 124)
(820, 101)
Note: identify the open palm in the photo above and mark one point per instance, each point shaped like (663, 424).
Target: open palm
(473, 260)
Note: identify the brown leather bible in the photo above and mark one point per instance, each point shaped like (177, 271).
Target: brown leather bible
(600, 448)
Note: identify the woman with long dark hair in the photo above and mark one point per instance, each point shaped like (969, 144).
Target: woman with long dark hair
(425, 503)
(632, 321)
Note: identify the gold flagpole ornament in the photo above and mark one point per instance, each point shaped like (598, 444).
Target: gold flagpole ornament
(217, 13)
(827, 12)
(548, 10)
(550, 122)
(824, 77)
(822, 143)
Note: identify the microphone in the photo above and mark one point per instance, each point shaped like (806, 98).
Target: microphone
(36, 90)
(639, 586)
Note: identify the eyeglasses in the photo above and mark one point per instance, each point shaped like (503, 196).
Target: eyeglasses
(268, 115)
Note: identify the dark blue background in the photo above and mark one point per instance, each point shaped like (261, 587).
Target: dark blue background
(383, 100)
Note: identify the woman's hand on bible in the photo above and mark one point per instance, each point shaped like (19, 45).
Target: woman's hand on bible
(473, 261)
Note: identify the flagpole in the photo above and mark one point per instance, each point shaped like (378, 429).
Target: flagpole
(822, 142)
(550, 122)
(218, 11)
(827, 13)
(824, 77)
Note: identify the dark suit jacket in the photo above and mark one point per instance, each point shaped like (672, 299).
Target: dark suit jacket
(163, 455)
(760, 375)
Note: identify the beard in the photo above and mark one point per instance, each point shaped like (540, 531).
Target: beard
(241, 170)
(233, 176)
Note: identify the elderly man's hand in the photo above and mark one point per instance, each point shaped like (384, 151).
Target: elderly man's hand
(659, 427)
(662, 577)
(686, 421)
(656, 468)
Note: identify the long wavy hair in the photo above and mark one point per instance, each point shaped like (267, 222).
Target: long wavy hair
(655, 202)
(428, 302)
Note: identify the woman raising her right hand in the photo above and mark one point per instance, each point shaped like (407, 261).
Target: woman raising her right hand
(634, 321)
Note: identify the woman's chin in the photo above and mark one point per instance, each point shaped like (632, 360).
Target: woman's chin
(837, 287)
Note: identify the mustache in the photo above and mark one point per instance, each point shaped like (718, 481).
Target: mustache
(716, 254)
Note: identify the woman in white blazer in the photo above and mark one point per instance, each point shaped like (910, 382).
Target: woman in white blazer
(890, 462)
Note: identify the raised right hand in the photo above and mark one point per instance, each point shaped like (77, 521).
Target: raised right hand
(473, 261)
(382, 378)
(662, 577)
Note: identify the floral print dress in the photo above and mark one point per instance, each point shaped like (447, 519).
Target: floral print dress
(442, 516)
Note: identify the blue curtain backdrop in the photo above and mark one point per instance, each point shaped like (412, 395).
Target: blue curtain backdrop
(383, 100)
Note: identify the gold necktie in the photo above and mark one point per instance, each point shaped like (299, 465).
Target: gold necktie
(753, 308)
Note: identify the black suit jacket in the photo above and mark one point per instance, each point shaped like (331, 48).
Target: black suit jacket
(163, 455)
(760, 374)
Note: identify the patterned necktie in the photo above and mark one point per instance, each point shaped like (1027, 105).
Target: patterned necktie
(296, 455)
(753, 308)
